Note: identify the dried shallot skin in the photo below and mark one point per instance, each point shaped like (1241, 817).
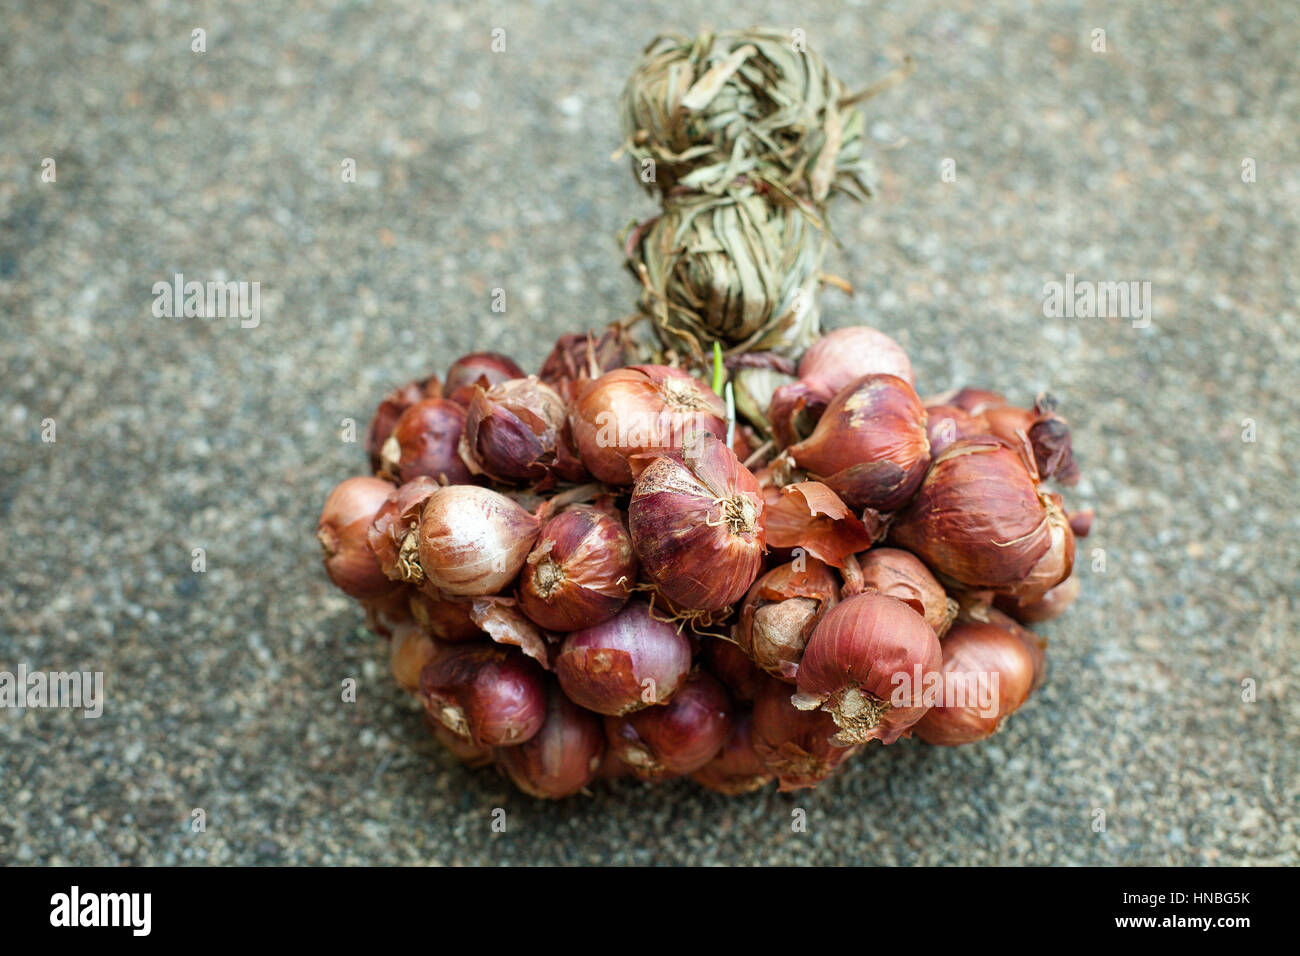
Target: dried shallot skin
(579, 572)
(870, 446)
(855, 660)
(394, 533)
(640, 410)
(780, 612)
(979, 517)
(973, 648)
(696, 520)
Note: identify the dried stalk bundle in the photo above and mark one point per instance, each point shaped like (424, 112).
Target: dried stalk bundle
(756, 105)
(738, 269)
(745, 134)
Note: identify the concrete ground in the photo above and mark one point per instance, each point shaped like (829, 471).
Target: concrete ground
(478, 170)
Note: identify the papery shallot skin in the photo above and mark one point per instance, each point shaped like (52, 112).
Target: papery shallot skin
(979, 517)
(579, 358)
(563, 756)
(696, 520)
(780, 612)
(867, 664)
(580, 571)
(678, 737)
(870, 445)
(394, 533)
(641, 410)
(490, 695)
(631, 661)
(989, 670)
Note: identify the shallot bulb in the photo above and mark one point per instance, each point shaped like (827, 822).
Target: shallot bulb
(479, 368)
(795, 745)
(947, 424)
(563, 756)
(408, 654)
(631, 661)
(473, 541)
(513, 430)
(842, 356)
(1047, 433)
(901, 574)
(579, 572)
(342, 532)
(390, 409)
(696, 519)
(736, 769)
(989, 670)
(870, 446)
(426, 441)
(833, 362)
(867, 664)
(490, 695)
(641, 410)
(976, 401)
(678, 738)
(980, 518)
(781, 611)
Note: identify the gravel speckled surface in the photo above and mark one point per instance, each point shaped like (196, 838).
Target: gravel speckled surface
(478, 171)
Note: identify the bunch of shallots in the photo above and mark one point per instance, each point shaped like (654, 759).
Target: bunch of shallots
(599, 570)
